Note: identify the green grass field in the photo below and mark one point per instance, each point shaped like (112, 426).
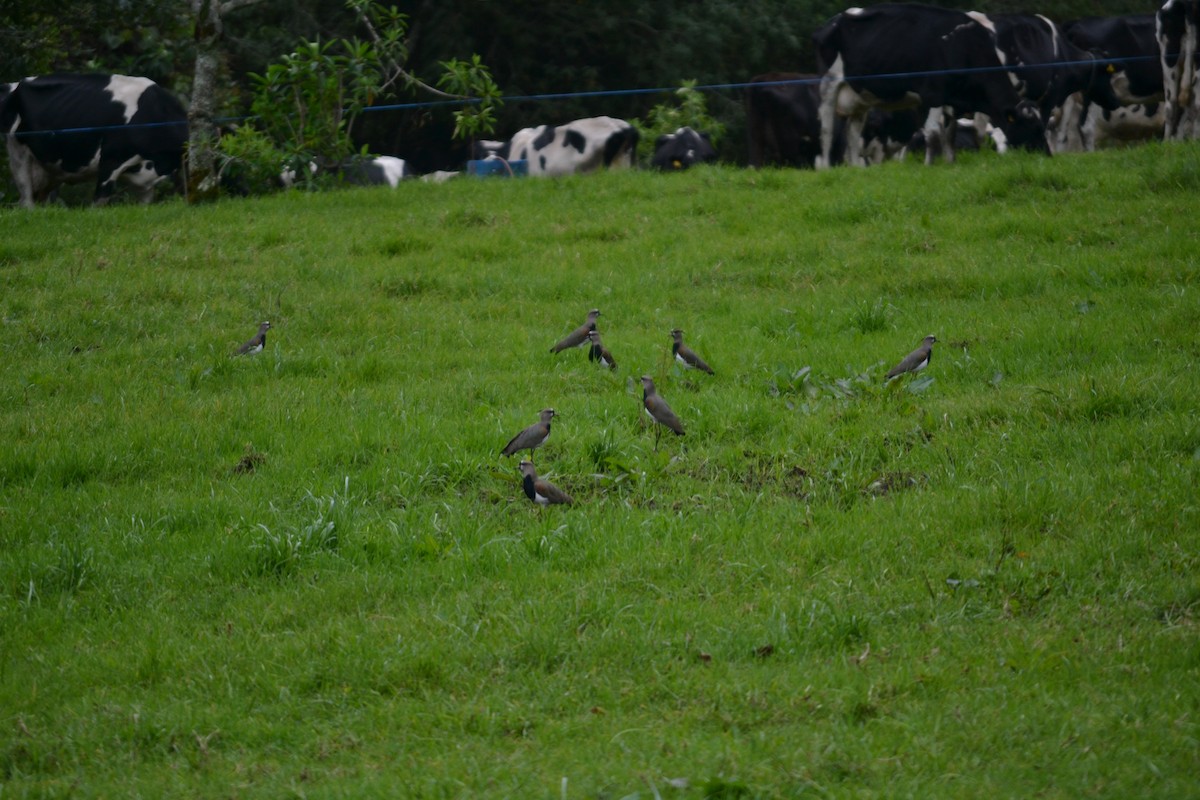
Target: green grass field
(309, 573)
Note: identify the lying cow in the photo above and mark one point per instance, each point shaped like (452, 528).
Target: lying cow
(107, 128)
(1133, 123)
(377, 171)
(580, 146)
(682, 149)
(372, 171)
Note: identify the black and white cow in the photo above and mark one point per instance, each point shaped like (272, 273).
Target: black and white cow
(1129, 40)
(1048, 67)
(682, 149)
(107, 128)
(358, 171)
(917, 56)
(580, 146)
(375, 171)
(1177, 31)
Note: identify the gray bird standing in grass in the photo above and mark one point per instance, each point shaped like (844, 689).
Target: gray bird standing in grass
(685, 355)
(255, 345)
(532, 437)
(578, 336)
(658, 410)
(915, 361)
(597, 352)
(541, 491)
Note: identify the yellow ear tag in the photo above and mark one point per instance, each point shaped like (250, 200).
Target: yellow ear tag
(1111, 69)
(677, 164)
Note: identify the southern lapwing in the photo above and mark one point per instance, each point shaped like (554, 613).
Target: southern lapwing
(578, 336)
(915, 361)
(598, 352)
(658, 410)
(685, 355)
(255, 345)
(532, 437)
(541, 491)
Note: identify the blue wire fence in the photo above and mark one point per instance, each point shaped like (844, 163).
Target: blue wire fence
(713, 87)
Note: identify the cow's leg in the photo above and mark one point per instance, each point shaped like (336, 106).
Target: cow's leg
(981, 122)
(1075, 138)
(830, 86)
(949, 131)
(26, 171)
(106, 184)
(1189, 99)
(1171, 75)
(26, 192)
(854, 138)
(1187, 86)
(1070, 133)
(1087, 129)
(935, 137)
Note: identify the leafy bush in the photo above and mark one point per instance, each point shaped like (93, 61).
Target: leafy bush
(471, 79)
(250, 162)
(690, 109)
(308, 100)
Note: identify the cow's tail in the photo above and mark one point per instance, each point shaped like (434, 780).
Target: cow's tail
(10, 106)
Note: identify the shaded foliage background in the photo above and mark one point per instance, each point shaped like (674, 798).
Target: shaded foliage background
(551, 46)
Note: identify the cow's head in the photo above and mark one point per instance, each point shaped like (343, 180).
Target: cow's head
(1023, 127)
(1106, 75)
(682, 149)
(487, 148)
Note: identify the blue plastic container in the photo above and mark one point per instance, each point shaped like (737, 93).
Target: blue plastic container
(497, 167)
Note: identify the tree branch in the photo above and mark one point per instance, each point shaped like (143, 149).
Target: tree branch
(397, 70)
(234, 5)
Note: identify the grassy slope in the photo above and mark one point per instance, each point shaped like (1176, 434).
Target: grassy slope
(375, 609)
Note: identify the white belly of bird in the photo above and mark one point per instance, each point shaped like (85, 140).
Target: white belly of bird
(685, 364)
